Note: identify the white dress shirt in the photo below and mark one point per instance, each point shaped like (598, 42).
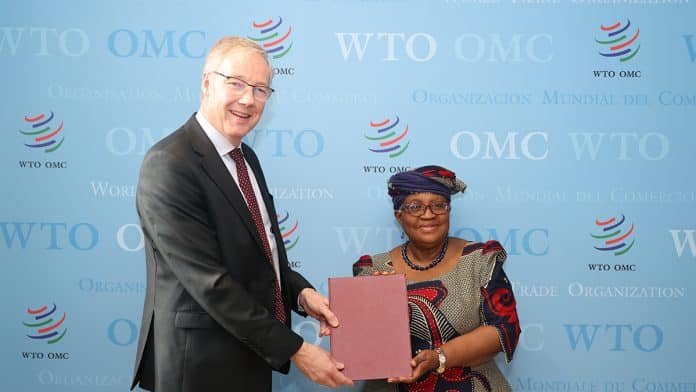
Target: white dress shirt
(223, 148)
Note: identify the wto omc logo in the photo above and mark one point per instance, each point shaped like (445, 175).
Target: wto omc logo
(289, 234)
(45, 324)
(273, 37)
(43, 132)
(619, 41)
(388, 138)
(614, 235)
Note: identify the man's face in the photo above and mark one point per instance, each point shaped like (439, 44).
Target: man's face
(232, 113)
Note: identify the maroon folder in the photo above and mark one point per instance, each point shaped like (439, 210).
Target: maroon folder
(372, 338)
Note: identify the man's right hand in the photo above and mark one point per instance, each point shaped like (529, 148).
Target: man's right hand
(319, 366)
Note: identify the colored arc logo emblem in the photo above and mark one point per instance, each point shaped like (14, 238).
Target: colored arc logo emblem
(46, 324)
(388, 137)
(273, 37)
(614, 236)
(43, 132)
(289, 235)
(619, 41)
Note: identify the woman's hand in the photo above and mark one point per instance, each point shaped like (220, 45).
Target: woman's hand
(423, 362)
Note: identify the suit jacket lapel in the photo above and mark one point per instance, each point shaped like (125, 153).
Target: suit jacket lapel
(218, 174)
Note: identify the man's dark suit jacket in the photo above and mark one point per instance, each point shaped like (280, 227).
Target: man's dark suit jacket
(208, 322)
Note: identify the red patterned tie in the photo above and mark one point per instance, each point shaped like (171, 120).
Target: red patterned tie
(245, 185)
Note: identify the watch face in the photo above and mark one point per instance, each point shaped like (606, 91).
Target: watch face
(441, 358)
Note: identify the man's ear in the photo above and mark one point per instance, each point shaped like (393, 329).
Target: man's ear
(205, 85)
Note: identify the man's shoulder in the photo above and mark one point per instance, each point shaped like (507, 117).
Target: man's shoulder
(177, 141)
(170, 142)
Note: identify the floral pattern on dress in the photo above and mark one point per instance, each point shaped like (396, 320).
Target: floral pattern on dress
(431, 329)
(499, 309)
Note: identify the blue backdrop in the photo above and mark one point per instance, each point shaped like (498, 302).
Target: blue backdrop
(572, 122)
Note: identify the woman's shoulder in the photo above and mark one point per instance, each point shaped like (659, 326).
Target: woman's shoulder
(484, 248)
(367, 264)
(482, 253)
(483, 258)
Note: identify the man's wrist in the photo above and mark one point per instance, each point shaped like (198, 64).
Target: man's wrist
(299, 351)
(300, 302)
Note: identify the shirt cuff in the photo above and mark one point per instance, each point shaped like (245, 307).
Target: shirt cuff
(300, 308)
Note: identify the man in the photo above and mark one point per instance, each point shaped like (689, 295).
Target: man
(219, 288)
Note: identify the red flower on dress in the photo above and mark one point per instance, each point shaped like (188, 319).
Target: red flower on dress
(503, 304)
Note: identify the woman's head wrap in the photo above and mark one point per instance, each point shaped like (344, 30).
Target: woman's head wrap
(424, 179)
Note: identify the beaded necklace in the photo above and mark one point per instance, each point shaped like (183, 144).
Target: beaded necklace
(417, 267)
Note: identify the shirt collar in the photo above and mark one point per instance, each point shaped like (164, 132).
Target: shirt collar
(221, 144)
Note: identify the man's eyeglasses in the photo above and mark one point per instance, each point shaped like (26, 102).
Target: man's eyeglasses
(262, 93)
(418, 209)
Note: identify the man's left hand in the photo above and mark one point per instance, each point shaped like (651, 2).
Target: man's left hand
(317, 306)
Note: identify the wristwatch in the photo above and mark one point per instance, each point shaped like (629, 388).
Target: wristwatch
(441, 359)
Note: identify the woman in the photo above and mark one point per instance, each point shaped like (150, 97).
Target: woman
(462, 310)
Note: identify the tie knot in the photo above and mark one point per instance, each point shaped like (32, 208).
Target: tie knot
(237, 155)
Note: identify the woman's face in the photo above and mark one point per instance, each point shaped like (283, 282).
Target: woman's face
(429, 229)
